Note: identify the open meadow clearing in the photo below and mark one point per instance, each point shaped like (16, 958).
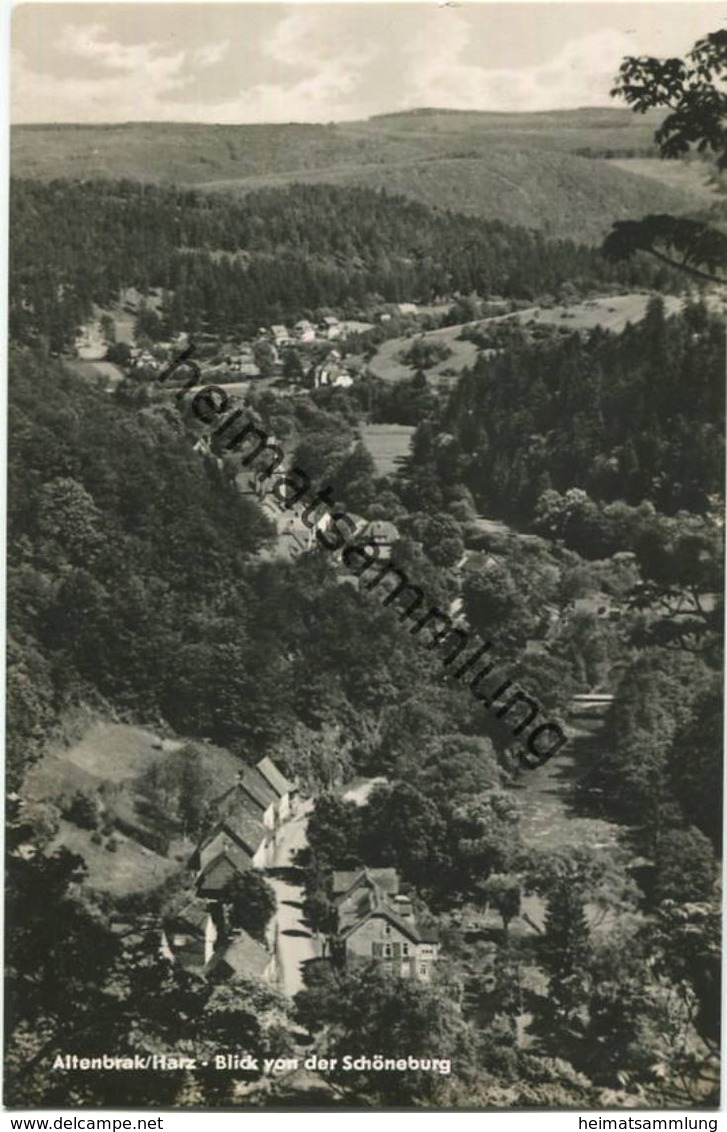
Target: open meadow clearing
(388, 444)
(612, 312)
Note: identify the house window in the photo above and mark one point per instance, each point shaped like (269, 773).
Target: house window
(405, 950)
(387, 929)
(388, 951)
(423, 968)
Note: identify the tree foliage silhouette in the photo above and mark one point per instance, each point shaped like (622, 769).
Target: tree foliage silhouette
(690, 89)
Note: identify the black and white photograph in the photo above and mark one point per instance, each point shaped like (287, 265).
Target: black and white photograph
(364, 580)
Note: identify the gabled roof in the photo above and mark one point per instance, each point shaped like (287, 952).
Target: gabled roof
(406, 927)
(386, 879)
(244, 956)
(274, 778)
(214, 847)
(257, 787)
(236, 857)
(192, 913)
(245, 828)
(226, 838)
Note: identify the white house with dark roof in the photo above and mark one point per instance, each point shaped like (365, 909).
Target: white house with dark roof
(286, 791)
(375, 921)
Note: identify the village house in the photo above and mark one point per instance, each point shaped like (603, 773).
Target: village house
(280, 335)
(189, 935)
(305, 331)
(332, 372)
(383, 535)
(375, 921)
(286, 791)
(330, 327)
(219, 863)
(193, 936)
(245, 830)
(261, 798)
(242, 957)
(243, 834)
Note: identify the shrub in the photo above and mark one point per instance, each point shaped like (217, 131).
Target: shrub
(82, 811)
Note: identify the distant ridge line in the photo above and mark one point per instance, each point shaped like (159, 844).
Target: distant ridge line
(616, 114)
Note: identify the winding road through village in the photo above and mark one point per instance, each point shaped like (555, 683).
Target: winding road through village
(295, 943)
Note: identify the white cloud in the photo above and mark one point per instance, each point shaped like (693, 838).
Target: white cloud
(320, 63)
(437, 73)
(134, 82)
(328, 61)
(139, 81)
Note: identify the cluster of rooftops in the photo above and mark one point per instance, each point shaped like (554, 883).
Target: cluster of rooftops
(373, 919)
(242, 837)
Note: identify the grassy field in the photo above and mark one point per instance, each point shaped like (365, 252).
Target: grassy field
(687, 176)
(388, 444)
(611, 312)
(129, 868)
(111, 757)
(387, 364)
(518, 168)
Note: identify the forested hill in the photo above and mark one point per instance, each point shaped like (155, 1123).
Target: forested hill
(632, 417)
(552, 171)
(275, 255)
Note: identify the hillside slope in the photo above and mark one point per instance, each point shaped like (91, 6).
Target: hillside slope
(525, 169)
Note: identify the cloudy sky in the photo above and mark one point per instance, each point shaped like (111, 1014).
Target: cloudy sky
(278, 62)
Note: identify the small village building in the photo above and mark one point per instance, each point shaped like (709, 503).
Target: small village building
(192, 939)
(247, 832)
(189, 934)
(261, 796)
(243, 957)
(383, 535)
(286, 791)
(243, 835)
(375, 921)
(219, 866)
(330, 327)
(239, 841)
(305, 331)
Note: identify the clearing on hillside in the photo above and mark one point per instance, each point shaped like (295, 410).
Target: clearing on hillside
(388, 444)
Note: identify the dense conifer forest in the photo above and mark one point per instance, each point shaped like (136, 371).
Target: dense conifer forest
(637, 416)
(275, 256)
